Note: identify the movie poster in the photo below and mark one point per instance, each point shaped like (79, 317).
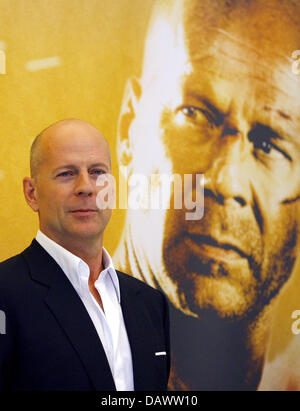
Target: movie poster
(200, 103)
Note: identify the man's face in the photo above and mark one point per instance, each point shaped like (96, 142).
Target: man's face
(73, 158)
(226, 104)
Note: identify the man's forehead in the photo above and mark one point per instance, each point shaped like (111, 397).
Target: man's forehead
(247, 37)
(220, 12)
(231, 55)
(266, 26)
(271, 27)
(76, 157)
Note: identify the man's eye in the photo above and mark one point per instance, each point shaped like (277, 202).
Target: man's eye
(65, 174)
(97, 172)
(264, 145)
(189, 111)
(197, 113)
(261, 136)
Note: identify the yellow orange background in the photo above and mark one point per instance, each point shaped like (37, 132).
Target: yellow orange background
(98, 44)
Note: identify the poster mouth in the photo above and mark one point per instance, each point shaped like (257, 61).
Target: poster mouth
(211, 248)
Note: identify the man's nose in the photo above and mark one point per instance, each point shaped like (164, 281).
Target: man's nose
(84, 186)
(228, 176)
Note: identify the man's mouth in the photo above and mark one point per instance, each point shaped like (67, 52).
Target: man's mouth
(214, 249)
(84, 211)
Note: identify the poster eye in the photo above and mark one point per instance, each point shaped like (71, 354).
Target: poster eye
(198, 115)
(189, 111)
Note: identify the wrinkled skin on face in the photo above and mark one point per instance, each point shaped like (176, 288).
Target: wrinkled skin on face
(72, 155)
(218, 97)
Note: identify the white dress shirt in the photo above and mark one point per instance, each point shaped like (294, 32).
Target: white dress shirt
(110, 323)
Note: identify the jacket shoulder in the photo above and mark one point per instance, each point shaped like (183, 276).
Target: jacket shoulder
(13, 277)
(10, 266)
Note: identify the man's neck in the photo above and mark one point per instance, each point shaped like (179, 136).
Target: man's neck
(89, 250)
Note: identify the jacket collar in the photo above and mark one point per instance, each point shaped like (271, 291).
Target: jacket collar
(74, 267)
(70, 312)
(72, 316)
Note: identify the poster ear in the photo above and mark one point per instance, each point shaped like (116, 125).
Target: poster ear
(127, 115)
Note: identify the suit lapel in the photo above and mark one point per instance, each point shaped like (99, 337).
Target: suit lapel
(71, 314)
(137, 327)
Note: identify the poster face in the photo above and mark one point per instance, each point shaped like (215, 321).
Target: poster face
(199, 101)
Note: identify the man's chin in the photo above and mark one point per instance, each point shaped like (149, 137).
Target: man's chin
(85, 232)
(226, 298)
(229, 288)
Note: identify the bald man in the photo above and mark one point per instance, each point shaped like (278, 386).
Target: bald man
(72, 321)
(217, 96)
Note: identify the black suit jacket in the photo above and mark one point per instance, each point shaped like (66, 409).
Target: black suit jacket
(50, 341)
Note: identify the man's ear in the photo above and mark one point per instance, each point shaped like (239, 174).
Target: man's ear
(29, 189)
(127, 115)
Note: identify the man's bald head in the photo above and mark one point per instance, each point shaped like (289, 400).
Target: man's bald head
(38, 150)
(67, 159)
